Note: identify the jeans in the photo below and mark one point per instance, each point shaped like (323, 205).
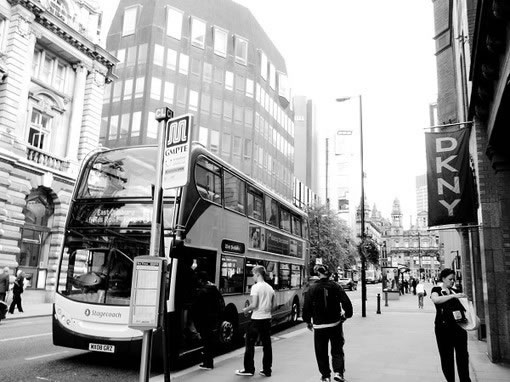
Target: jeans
(335, 336)
(452, 338)
(258, 329)
(420, 300)
(207, 334)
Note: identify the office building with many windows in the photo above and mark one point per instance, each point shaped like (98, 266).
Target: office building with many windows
(213, 60)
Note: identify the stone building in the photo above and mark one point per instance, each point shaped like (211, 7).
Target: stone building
(473, 51)
(53, 74)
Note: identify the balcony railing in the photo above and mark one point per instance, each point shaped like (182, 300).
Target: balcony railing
(46, 159)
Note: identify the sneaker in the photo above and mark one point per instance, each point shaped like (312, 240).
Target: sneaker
(338, 378)
(325, 379)
(265, 373)
(245, 373)
(203, 366)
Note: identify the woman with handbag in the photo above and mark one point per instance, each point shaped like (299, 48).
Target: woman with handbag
(451, 338)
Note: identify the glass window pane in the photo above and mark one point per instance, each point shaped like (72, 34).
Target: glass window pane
(197, 33)
(173, 23)
(136, 123)
(131, 56)
(207, 72)
(225, 144)
(271, 212)
(124, 126)
(169, 92)
(236, 149)
(183, 63)
(227, 111)
(196, 68)
(232, 274)
(241, 50)
(255, 205)
(205, 106)
(193, 100)
(159, 55)
(128, 89)
(285, 219)
(229, 80)
(156, 88)
(142, 54)
(285, 276)
(140, 83)
(215, 141)
(117, 88)
(203, 133)
(152, 126)
(171, 59)
(129, 22)
(114, 127)
(249, 88)
(216, 107)
(220, 42)
(234, 192)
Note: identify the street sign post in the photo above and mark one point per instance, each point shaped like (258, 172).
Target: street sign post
(146, 303)
(177, 151)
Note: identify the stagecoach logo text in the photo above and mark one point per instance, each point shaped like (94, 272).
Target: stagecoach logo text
(99, 314)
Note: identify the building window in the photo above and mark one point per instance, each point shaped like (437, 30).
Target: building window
(218, 75)
(247, 149)
(136, 124)
(159, 55)
(196, 67)
(241, 50)
(220, 42)
(236, 149)
(193, 100)
(215, 141)
(152, 126)
(131, 56)
(263, 65)
(129, 23)
(107, 92)
(183, 63)
(128, 89)
(168, 95)
(207, 72)
(156, 88)
(249, 88)
(124, 126)
(272, 76)
(238, 114)
(216, 107)
(248, 117)
(173, 23)
(171, 59)
(240, 84)
(203, 133)
(121, 56)
(197, 33)
(227, 111)
(114, 127)
(49, 69)
(226, 141)
(39, 130)
(139, 87)
(205, 104)
(181, 95)
(142, 54)
(229, 80)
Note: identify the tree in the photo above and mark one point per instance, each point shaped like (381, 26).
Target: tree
(330, 239)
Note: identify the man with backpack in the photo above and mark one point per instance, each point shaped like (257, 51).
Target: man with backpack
(323, 314)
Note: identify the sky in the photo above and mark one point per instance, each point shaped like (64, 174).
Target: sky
(382, 50)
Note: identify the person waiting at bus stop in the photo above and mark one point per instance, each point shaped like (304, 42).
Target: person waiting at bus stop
(322, 312)
(262, 301)
(205, 312)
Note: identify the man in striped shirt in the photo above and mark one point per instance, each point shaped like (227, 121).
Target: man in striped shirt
(325, 309)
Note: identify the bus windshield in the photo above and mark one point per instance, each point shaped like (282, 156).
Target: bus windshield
(120, 173)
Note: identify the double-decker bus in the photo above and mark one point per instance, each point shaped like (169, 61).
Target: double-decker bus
(227, 224)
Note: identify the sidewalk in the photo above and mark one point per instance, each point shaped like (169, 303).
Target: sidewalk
(398, 345)
(34, 305)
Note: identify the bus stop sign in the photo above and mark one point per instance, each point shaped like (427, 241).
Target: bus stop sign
(177, 151)
(145, 309)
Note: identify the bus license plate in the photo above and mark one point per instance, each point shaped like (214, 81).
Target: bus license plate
(102, 348)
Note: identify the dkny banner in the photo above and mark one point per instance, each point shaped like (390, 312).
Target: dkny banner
(450, 183)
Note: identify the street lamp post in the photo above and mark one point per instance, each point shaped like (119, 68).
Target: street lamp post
(362, 235)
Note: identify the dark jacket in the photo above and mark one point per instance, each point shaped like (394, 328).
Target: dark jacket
(18, 285)
(324, 302)
(4, 283)
(207, 306)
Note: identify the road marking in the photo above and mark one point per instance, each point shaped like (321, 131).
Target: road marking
(25, 337)
(46, 355)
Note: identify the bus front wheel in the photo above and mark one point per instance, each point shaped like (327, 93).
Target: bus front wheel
(294, 312)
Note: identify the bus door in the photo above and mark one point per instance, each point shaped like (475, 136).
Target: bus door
(191, 261)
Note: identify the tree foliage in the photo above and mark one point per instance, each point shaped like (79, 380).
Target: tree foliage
(330, 238)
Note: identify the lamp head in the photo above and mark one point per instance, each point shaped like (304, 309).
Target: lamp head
(342, 99)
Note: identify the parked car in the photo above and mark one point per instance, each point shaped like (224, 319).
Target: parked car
(347, 283)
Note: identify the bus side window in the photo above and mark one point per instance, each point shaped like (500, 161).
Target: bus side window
(285, 276)
(231, 274)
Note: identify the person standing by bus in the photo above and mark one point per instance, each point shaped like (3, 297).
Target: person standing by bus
(4, 284)
(322, 312)
(262, 300)
(17, 290)
(205, 312)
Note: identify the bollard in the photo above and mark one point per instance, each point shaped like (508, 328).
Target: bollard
(385, 298)
(378, 303)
